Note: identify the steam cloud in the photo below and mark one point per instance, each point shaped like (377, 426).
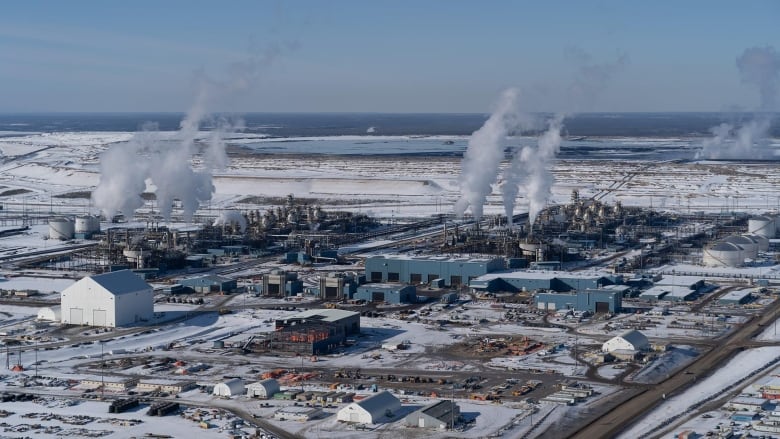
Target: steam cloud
(540, 178)
(749, 141)
(231, 217)
(175, 167)
(759, 66)
(165, 164)
(485, 152)
(483, 156)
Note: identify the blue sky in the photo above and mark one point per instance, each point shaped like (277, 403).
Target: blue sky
(393, 56)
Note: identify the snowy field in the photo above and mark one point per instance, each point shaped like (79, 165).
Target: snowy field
(49, 417)
(39, 168)
(742, 366)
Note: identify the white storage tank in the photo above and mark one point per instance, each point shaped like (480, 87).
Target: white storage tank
(762, 241)
(87, 224)
(762, 225)
(61, 228)
(723, 254)
(749, 246)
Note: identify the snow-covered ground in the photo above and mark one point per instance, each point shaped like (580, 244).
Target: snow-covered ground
(51, 417)
(50, 164)
(742, 366)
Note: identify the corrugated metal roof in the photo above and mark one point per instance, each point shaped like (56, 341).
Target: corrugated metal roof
(379, 403)
(121, 282)
(441, 410)
(328, 315)
(636, 338)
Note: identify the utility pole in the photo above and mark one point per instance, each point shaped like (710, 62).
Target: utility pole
(452, 406)
(102, 372)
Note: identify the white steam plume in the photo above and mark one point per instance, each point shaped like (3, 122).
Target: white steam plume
(760, 66)
(749, 141)
(540, 178)
(512, 177)
(177, 168)
(483, 155)
(231, 217)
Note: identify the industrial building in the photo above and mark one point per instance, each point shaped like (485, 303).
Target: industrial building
(264, 389)
(531, 280)
(387, 293)
(111, 384)
(448, 298)
(339, 286)
(417, 270)
(314, 332)
(749, 404)
(675, 289)
(280, 283)
(440, 415)
(162, 385)
(736, 297)
(230, 388)
(657, 293)
(298, 413)
(113, 299)
(595, 301)
(210, 284)
(632, 340)
(370, 410)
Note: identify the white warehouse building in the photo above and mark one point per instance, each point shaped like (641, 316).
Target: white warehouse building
(632, 340)
(118, 298)
(370, 410)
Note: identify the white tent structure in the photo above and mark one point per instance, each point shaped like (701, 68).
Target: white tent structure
(233, 387)
(371, 409)
(118, 298)
(263, 389)
(50, 314)
(632, 340)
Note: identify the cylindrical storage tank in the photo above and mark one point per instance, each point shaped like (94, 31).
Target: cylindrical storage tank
(94, 224)
(82, 224)
(61, 228)
(723, 254)
(762, 241)
(762, 225)
(530, 247)
(748, 245)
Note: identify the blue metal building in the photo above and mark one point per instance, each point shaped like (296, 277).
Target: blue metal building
(390, 293)
(595, 301)
(425, 269)
(210, 284)
(515, 281)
